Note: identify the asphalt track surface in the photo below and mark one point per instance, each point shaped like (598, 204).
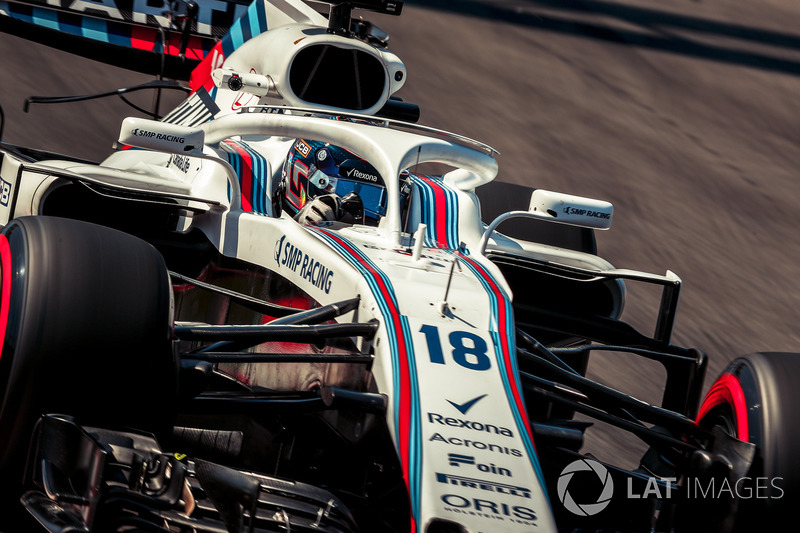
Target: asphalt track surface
(683, 114)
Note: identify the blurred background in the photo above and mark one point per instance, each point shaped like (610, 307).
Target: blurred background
(684, 114)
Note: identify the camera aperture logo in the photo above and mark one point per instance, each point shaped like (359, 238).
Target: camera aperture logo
(591, 508)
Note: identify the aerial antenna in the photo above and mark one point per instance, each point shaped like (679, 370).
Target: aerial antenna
(339, 16)
(444, 308)
(339, 19)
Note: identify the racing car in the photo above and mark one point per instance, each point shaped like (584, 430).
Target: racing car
(278, 308)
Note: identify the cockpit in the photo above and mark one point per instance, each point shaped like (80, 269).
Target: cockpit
(321, 182)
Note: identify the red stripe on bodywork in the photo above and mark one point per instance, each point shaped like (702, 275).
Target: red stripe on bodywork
(502, 326)
(173, 47)
(194, 49)
(728, 391)
(246, 178)
(201, 75)
(5, 287)
(143, 38)
(194, 46)
(146, 39)
(441, 209)
(404, 409)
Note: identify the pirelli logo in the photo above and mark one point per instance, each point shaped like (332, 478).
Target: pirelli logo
(489, 486)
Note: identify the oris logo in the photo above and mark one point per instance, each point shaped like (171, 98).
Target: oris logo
(479, 506)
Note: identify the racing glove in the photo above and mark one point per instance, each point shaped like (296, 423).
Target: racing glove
(326, 208)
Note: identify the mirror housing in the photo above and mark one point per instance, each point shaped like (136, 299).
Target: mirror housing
(572, 210)
(161, 137)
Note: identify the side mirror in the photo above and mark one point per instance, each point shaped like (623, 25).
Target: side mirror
(558, 207)
(161, 137)
(573, 210)
(175, 139)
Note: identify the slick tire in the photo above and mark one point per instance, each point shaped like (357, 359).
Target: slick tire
(757, 400)
(85, 327)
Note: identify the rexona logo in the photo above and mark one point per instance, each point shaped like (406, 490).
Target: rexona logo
(567, 498)
(289, 256)
(464, 408)
(488, 509)
(480, 484)
(137, 132)
(352, 172)
(468, 424)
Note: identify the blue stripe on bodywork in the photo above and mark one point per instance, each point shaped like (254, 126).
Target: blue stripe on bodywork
(502, 304)
(369, 270)
(237, 38)
(46, 18)
(259, 183)
(252, 23)
(96, 29)
(430, 212)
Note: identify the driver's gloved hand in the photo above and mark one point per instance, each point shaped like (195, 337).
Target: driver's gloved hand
(325, 208)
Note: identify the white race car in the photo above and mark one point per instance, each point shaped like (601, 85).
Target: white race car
(268, 310)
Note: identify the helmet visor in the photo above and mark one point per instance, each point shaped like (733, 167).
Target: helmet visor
(372, 196)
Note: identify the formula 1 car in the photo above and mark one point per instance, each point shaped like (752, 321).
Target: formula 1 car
(277, 308)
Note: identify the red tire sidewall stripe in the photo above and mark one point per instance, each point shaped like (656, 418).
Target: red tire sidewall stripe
(5, 287)
(728, 391)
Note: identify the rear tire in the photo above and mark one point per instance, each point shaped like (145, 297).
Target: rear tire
(85, 327)
(757, 400)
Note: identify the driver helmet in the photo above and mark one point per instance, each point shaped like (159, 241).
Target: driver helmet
(313, 169)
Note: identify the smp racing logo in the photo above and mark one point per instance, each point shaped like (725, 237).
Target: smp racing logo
(138, 132)
(289, 256)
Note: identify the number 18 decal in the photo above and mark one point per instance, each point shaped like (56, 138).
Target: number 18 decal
(469, 350)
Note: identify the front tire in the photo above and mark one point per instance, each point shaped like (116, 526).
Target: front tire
(85, 327)
(757, 400)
